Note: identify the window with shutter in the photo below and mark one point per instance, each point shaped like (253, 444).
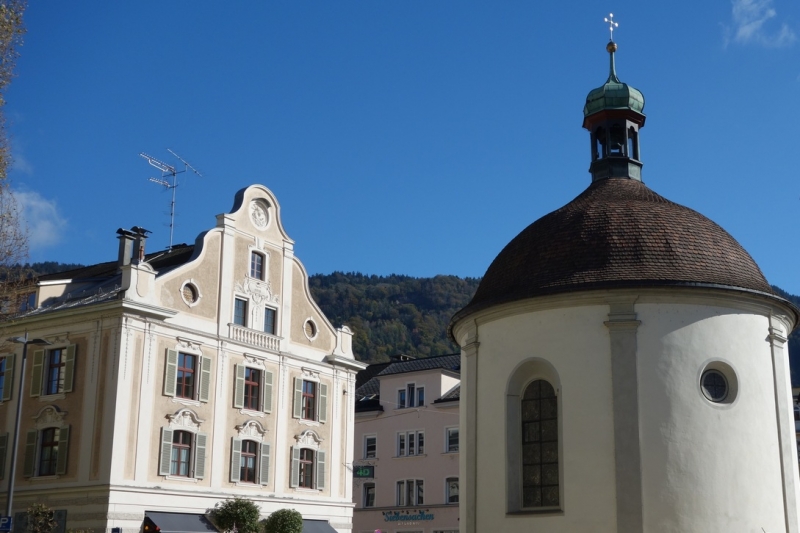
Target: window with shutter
(236, 459)
(297, 408)
(267, 395)
(36, 373)
(247, 461)
(263, 475)
(171, 373)
(322, 415)
(294, 479)
(30, 453)
(238, 387)
(320, 478)
(69, 369)
(166, 452)
(63, 450)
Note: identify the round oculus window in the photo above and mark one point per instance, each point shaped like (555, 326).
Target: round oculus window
(714, 385)
(190, 293)
(310, 329)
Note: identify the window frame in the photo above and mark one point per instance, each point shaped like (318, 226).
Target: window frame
(448, 495)
(410, 492)
(182, 373)
(306, 467)
(366, 502)
(252, 457)
(309, 401)
(411, 395)
(176, 461)
(237, 318)
(252, 399)
(257, 263)
(447, 444)
(6, 377)
(556, 442)
(201, 375)
(300, 406)
(408, 443)
(374, 439)
(273, 327)
(52, 445)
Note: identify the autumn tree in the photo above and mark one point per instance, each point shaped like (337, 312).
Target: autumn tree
(13, 233)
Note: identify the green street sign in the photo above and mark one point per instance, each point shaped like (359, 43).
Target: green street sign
(364, 471)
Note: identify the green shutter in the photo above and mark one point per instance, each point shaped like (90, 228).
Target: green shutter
(205, 378)
(63, 450)
(236, 459)
(3, 449)
(297, 412)
(323, 403)
(200, 455)
(36, 373)
(294, 481)
(267, 394)
(69, 368)
(166, 452)
(8, 382)
(171, 376)
(320, 470)
(238, 388)
(30, 453)
(263, 475)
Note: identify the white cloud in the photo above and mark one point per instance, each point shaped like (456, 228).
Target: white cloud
(45, 223)
(750, 19)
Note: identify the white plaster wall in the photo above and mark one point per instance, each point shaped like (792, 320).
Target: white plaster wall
(576, 342)
(707, 467)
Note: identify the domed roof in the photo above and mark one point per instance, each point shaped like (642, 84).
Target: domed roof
(617, 233)
(613, 94)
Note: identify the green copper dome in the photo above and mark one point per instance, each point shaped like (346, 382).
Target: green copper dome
(613, 94)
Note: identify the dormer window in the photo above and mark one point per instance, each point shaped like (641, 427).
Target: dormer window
(257, 265)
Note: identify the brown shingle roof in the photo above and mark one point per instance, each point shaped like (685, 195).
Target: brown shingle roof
(617, 233)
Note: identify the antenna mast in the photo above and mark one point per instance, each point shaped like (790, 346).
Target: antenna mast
(169, 171)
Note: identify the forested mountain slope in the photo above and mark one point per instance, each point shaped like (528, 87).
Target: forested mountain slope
(398, 314)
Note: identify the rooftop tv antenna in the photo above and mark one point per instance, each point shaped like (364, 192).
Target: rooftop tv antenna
(168, 171)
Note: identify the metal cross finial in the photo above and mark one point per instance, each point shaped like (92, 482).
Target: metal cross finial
(611, 24)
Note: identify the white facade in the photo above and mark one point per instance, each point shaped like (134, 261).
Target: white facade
(413, 489)
(640, 448)
(211, 376)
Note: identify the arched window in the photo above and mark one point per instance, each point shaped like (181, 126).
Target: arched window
(633, 144)
(540, 478)
(617, 144)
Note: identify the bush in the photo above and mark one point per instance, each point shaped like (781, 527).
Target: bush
(40, 519)
(241, 512)
(284, 521)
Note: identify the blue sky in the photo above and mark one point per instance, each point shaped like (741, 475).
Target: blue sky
(399, 137)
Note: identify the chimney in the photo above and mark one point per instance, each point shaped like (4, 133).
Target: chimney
(125, 247)
(138, 246)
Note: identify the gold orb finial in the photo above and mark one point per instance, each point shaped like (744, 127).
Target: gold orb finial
(611, 47)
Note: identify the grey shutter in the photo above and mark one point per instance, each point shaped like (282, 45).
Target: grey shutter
(69, 368)
(3, 449)
(295, 477)
(297, 412)
(236, 459)
(36, 373)
(263, 475)
(166, 452)
(200, 455)
(205, 378)
(30, 453)
(238, 388)
(170, 377)
(323, 403)
(8, 382)
(267, 394)
(63, 450)
(320, 470)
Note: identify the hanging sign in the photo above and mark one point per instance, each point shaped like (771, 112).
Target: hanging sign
(364, 471)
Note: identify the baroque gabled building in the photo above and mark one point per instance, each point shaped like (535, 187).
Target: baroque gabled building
(176, 379)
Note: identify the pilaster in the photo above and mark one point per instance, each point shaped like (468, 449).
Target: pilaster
(622, 326)
(468, 429)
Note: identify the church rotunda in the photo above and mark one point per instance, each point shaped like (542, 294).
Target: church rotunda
(624, 365)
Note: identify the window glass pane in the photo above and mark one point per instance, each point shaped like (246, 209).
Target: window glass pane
(420, 499)
(452, 440)
(401, 444)
(256, 265)
(252, 382)
(420, 396)
(452, 490)
(269, 320)
(369, 495)
(410, 396)
(2, 375)
(540, 477)
(401, 399)
(240, 312)
(370, 447)
(55, 372)
(411, 443)
(420, 443)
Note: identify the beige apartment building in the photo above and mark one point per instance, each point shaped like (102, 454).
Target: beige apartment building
(406, 446)
(177, 379)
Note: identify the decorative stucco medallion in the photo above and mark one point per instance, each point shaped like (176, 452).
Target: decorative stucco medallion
(258, 213)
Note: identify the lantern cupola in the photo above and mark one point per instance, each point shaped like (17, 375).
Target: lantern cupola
(613, 115)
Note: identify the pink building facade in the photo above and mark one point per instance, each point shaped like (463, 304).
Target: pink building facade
(406, 446)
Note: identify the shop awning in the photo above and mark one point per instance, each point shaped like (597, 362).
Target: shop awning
(317, 526)
(178, 522)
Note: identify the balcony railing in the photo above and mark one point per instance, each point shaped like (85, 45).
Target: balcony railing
(254, 337)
